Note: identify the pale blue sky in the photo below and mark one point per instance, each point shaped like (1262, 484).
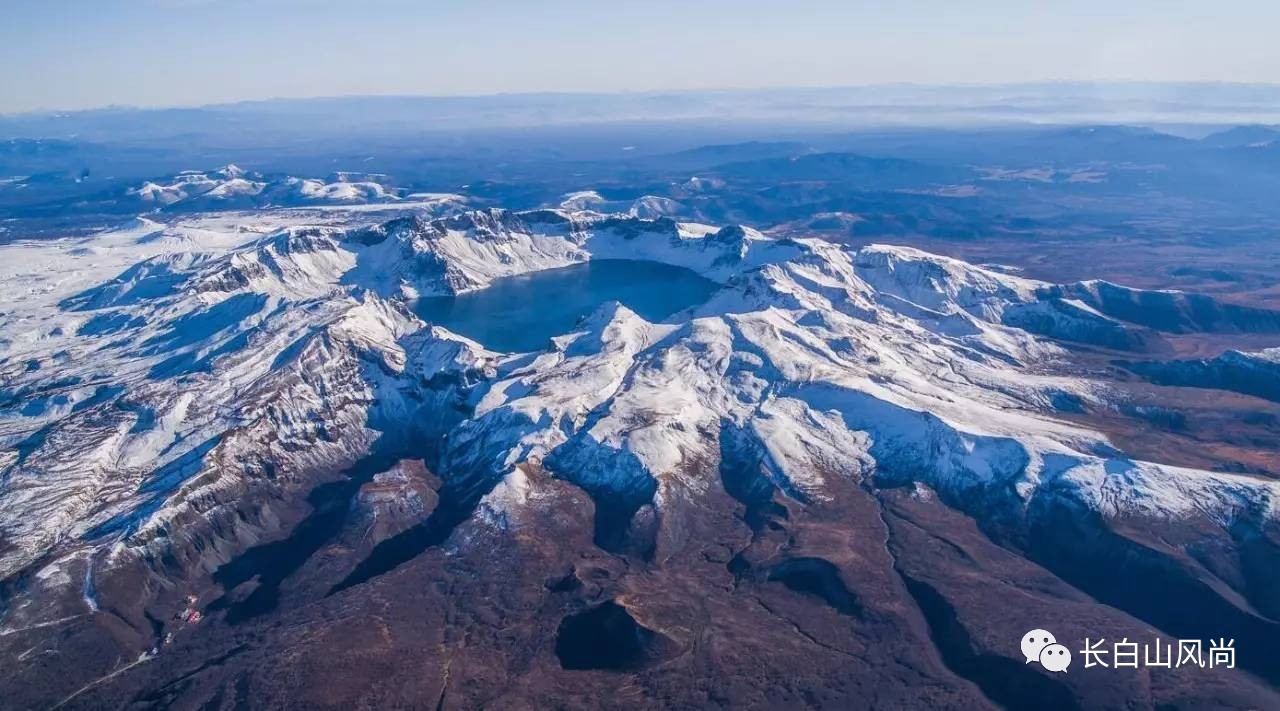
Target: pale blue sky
(65, 54)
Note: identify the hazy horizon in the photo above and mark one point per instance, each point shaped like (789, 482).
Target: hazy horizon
(754, 112)
(690, 91)
(66, 55)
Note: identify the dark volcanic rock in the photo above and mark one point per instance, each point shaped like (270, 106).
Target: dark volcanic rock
(981, 598)
(391, 503)
(607, 637)
(1256, 374)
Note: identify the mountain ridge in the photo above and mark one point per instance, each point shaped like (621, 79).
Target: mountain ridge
(291, 368)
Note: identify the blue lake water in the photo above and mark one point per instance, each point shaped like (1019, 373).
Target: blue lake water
(520, 313)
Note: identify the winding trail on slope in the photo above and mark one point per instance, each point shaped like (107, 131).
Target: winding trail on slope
(1002, 681)
(144, 658)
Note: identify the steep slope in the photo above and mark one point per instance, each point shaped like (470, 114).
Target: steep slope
(213, 423)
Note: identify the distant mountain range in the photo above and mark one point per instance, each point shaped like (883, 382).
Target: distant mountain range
(230, 186)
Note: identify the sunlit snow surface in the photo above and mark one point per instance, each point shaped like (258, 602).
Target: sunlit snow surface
(149, 372)
(231, 186)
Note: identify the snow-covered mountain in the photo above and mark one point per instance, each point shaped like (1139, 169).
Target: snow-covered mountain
(649, 207)
(231, 187)
(160, 424)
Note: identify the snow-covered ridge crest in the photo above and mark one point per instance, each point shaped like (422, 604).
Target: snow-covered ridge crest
(646, 206)
(907, 312)
(195, 382)
(414, 256)
(235, 188)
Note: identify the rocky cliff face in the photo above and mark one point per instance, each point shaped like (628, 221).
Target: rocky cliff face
(835, 470)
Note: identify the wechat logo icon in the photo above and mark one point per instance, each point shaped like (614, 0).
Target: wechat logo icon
(1042, 647)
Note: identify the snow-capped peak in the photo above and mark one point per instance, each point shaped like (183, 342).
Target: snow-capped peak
(189, 384)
